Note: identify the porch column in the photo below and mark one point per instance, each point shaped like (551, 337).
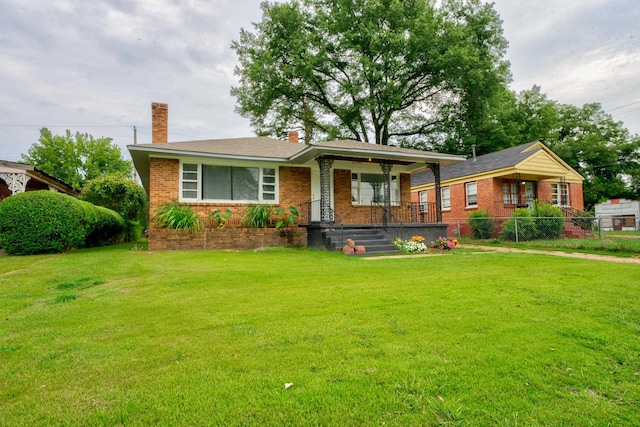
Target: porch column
(435, 168)
(386, 176)
(325, 188)
(17, 182)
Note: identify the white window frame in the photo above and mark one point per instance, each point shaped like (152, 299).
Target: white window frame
(265, 187)
(446, 198)
(557, 194)
(510, 193)
(423, 197)
(395, 192)
(471, 192)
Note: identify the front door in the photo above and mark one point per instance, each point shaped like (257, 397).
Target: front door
(530, 193)
(315, 194)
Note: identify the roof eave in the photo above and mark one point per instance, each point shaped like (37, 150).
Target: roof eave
(313, 151)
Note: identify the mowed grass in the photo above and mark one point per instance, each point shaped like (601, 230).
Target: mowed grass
(113, 336)
(616, 243)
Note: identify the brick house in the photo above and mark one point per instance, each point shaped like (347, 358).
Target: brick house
(335, 184)
(19, 177)
(500, 182)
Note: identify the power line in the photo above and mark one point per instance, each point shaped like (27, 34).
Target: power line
(64, 126)
(624, 106)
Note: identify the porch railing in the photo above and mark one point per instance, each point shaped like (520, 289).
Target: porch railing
(406, 213)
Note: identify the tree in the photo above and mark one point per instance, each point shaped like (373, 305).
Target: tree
(118, 193)
(77, 158)
(380, 71)
(587, 138)
(600, 149)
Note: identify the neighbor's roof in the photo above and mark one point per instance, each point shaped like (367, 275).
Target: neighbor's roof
(33, 172)
(276, 150)
(500, 160)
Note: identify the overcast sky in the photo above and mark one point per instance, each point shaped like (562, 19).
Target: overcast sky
(96, 66)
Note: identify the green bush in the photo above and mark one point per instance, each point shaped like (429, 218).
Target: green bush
(46, 221)
(481, 225)
(175, 216)
(521, 226)
(102, 225)
(549, 220)
(123, 195)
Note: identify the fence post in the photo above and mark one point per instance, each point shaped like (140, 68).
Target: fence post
(515, 226)
(601, 232)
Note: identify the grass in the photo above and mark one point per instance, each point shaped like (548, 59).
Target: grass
(113, 336)
(616, 243)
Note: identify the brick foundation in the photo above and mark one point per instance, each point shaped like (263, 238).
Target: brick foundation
(226, 239)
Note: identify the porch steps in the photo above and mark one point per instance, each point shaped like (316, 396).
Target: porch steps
(375, 241)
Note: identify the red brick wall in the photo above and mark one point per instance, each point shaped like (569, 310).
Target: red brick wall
(490, 197)
(353, 214)
(295, 189)
(295, 186)
(163, 182)
(228, 238)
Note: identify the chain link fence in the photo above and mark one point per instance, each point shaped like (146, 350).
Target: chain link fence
(527, 228)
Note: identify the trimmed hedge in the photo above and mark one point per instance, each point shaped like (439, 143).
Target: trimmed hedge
(46, 221)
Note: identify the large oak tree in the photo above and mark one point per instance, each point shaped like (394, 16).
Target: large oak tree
(77, 158)
(417, 72)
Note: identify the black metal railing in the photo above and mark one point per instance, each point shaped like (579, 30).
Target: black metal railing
(406, 213)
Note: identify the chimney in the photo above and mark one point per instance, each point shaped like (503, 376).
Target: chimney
(473, 151)
(293, 136)
(159, 122)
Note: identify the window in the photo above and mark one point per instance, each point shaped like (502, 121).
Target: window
(367, 188)
(471, 190)
(445, 197)
(510, 193)
(424, 201)
(228, 183)
(189, 181)
(560, 194)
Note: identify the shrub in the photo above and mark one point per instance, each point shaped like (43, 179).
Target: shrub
(257, 216)
(102, 225)
(175, 216)
(123, 195)
(520, 226)
(549, 220)
(46, 221)
(481, 225)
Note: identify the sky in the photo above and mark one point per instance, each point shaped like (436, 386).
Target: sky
(96, 66)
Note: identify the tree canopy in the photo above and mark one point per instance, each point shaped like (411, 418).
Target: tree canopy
(380, 71)
(587, 138)
(118, 193)
(77, 158)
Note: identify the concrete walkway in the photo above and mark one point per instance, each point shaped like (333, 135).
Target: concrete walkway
(489, 249)
(609, 258)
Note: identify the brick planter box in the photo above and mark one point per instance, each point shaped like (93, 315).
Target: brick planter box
(226, 239)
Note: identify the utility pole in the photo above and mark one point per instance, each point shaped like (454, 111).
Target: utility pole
(135, 142)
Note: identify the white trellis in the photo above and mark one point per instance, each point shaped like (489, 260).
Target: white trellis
(17, 182)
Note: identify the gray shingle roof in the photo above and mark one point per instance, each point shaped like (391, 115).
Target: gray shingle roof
(489, 162)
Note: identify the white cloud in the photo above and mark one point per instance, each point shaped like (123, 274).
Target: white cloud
(96, 66)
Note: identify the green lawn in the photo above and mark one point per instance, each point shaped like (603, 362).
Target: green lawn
(113, 336)
(616, 243)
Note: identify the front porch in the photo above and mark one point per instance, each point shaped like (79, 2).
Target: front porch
(377, 235)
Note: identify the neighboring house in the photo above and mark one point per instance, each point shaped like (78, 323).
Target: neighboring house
(334, 185)
(619, 214)
(500, 182)
(19, 177)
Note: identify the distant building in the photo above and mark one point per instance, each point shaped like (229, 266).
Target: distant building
(19, 177)
(619, 214)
